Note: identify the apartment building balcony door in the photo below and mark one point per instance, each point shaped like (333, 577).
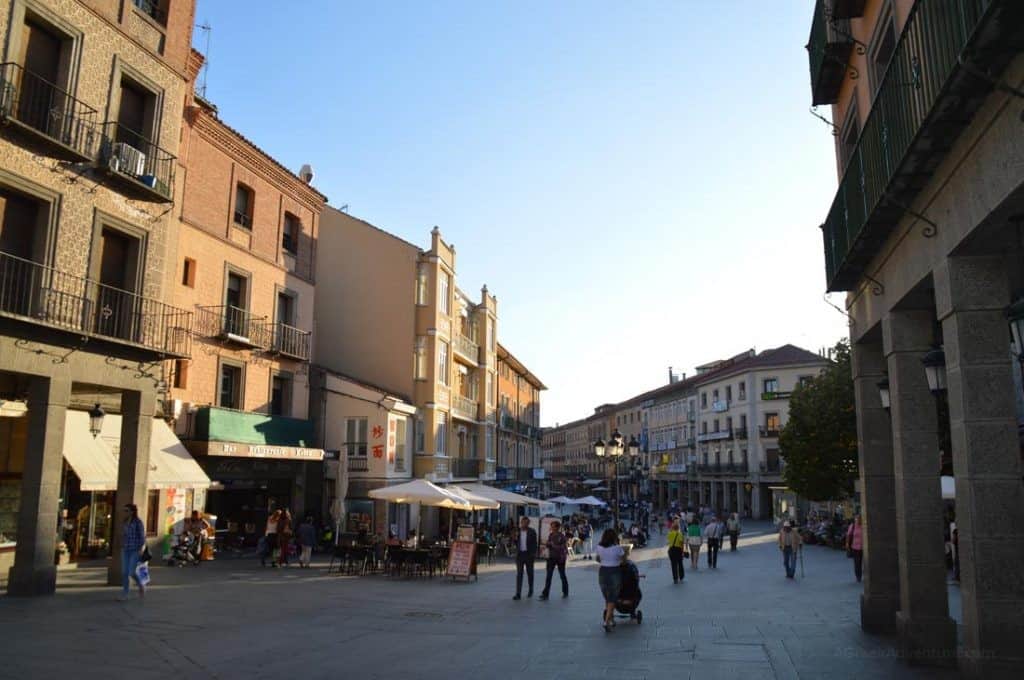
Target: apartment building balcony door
(22, 243)
(115, 310)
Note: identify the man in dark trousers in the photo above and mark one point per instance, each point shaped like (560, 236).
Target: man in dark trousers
(527, 553)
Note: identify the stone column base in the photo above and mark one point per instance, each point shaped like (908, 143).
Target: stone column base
(927, 641)
(878, 614)
(29, 582)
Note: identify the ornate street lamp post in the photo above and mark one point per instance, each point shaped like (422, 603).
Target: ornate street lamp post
(96, 414)
(613, 452)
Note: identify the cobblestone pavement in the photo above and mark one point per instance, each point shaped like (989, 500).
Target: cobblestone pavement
(232, 619)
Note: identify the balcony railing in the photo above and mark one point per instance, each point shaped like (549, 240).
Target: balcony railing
(236, 325)
(40, 294)
(714, 436)
(466, 347)
(288, 340)
(358, 464)
(771, 466)
(465, 467)
(926, 97)
(740, 432)
(464, 407)
(145, 168)
(828, 50)
(43, 109)
(768, 432)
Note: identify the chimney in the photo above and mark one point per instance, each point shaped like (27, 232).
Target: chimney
(671, 377)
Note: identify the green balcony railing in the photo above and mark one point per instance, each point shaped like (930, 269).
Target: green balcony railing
(922, 103)
(828, 51)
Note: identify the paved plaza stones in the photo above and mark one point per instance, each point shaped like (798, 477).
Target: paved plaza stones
(232, 619)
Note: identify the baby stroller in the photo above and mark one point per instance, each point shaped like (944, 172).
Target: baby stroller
(628, 604)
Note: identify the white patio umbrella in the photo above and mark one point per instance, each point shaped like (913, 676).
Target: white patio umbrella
(500, 495)
(590, 500)
(563, 500)
(423, 492)
(476, 501)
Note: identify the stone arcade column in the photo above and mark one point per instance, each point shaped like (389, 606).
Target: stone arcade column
(755, 502)
(881, 598)
(34, 572)
(714, 496)
(739, 499)
(137, 409)
(927, 634)
(971, 295)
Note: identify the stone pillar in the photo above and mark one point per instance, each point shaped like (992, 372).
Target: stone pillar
(881, 597)
(927, 634)
(971, 295)
(34, 572)
(739, 499)
(714, 496)
(137, 409)
(756, 509)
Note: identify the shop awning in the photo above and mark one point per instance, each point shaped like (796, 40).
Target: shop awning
(94, 461)
(500, 495)
(170, 464)
(90, 457)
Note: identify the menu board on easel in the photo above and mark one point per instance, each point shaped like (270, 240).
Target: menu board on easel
(462, 560)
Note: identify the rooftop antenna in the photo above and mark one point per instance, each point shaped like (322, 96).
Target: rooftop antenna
(201, 86)
(344, 208)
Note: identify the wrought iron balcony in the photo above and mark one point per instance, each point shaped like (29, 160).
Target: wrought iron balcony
(143, 167)
(464, 407)
(47, 112)
(464, 467)
(466, 347)
(769, 432)
(928, 95)
(740, 432)
(771, 466)
(39, 294)
(828, 50)
(288, 340)
(234, 325)
(358, 464)
(848, 9)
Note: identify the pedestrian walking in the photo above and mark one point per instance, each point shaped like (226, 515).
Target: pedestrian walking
(586, 533)
(789, 544)
(307, 539)
(855, 546)
(675, 552)
(284, 536)
(610, 556)
(133, 544)
(713, 533)
(270, 539)
(732, 526)
(557, 554)
(694, 540)
(525, 557)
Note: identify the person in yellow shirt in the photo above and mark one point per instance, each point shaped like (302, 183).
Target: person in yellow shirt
(676, 541)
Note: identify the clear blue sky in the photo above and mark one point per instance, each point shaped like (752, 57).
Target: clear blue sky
(640, 184)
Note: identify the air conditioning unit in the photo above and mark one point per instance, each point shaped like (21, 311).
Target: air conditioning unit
(126, 159)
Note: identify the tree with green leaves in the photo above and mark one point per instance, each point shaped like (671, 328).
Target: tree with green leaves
(819, 442)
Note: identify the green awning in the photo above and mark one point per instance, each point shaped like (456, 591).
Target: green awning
(243, 427)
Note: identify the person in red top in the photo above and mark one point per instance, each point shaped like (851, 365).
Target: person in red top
(557, 554)
(855, 546)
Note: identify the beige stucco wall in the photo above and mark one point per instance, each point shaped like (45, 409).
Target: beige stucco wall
(365, 303)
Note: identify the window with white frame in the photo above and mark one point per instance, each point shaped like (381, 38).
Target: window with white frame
(490, 388)
(489, 444)
(743, 390)
(422, 290)
(401, 428)
(356, 437)
(419, 433)
(771, 385)
(441, 434)
(444, 281)
(420, 359)
(442, 362)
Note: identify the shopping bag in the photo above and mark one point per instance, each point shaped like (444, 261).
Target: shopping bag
(142, 573)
